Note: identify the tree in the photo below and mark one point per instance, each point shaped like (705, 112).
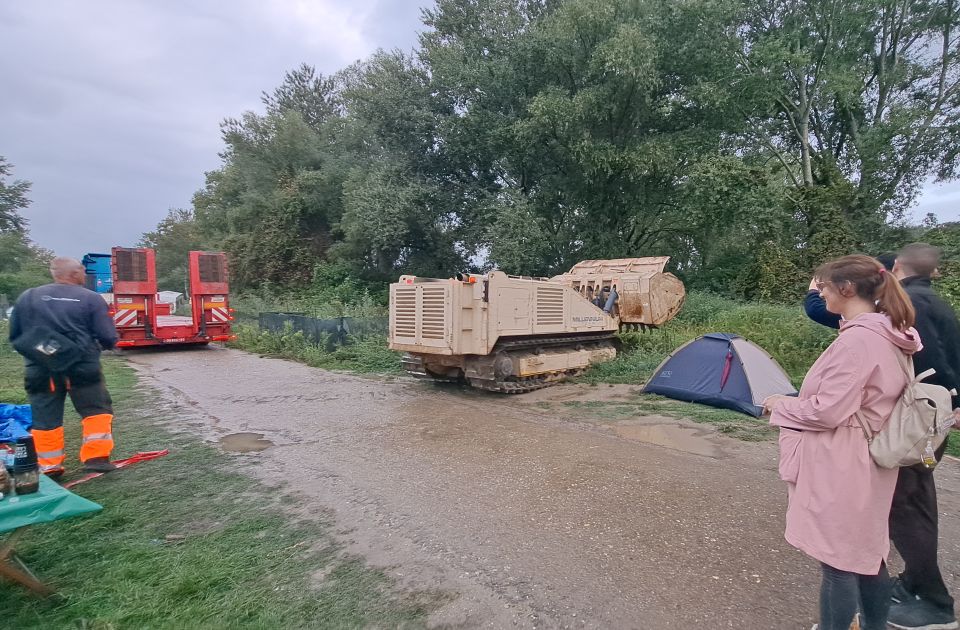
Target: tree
(173, 240)
(22, 264)
(865, 93)
(590, 109)
(13, 199)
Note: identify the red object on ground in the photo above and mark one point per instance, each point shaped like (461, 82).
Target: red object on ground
(120, 463)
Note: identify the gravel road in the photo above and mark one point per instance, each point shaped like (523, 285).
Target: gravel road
(530, 515)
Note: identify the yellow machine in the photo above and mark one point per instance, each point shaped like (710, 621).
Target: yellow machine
(515, 334)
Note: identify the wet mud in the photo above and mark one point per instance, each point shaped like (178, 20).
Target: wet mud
(528, 512)
(245, 443)
(672, 436)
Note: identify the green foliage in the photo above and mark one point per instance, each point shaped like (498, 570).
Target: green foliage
(13, 199)
(11, 370)
(749, 141)
(947, 238)
(22, 264)
(360, 354)
(173, 240)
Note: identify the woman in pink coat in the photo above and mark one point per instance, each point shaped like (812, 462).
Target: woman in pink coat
(838, 498)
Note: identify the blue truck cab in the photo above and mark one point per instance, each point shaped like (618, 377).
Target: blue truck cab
(99, 275)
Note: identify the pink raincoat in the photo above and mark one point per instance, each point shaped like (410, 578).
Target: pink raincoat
(838, 499)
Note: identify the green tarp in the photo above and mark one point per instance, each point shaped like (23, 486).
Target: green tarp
(50, 503)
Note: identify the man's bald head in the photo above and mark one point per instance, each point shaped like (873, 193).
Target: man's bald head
(917, 259)
(67, 271)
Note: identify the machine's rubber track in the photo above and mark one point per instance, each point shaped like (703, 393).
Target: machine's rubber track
(413, 365)
(523, 384)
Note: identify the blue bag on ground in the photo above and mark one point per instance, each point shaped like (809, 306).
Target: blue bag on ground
(15, 421)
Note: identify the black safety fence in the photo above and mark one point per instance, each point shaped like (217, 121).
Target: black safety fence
(331, 331)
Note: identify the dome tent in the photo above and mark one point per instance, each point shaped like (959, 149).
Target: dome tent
(721, 370)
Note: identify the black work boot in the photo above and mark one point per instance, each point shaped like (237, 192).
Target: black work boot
(99, 464)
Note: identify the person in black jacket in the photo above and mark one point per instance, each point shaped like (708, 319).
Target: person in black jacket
(921, 598)
(924, 599)
(80, 315)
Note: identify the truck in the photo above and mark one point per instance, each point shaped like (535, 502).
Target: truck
(514, 334)
(143, 320)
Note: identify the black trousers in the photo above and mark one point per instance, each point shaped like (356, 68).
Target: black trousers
(914, 531)
(842, 592)
(47, 393)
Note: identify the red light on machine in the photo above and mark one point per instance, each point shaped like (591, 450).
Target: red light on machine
(124, 344)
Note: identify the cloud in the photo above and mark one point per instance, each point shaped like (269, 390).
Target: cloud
(112, 108)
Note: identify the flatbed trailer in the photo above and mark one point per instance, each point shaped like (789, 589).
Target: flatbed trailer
(135, 307)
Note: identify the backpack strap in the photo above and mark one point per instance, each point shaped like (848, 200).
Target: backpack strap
(906, 364)
(867, 433)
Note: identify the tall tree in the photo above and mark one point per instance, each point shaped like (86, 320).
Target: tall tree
(865, 92)
(13, 199)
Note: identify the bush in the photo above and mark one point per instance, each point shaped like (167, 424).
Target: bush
(368, 354)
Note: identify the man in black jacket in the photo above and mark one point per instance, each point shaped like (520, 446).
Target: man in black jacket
(80, 315)
(924, 599)
(921, 599)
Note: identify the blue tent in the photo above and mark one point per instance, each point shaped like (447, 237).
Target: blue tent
(721, 370)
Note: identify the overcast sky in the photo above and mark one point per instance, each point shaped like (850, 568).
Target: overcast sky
(112, 107)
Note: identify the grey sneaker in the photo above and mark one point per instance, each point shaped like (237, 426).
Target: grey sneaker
(920, 615)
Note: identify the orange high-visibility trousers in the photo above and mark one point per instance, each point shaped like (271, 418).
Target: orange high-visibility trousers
(49, 446)
(85, 387)
(97, 437)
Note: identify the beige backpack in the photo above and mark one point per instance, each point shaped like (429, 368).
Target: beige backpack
(920, 422)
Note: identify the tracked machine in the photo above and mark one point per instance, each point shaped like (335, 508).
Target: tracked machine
(514, 334)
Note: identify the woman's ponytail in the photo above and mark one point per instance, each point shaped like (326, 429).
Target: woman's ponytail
(894, 301)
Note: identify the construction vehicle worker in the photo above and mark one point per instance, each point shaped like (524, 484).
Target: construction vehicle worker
(80, 315)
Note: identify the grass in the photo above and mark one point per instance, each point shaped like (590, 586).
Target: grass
(365, 355)
(731, 423)
(186, 541)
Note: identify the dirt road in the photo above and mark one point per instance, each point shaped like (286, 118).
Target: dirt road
(530, 511)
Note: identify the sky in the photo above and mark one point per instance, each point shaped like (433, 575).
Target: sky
(111, 108)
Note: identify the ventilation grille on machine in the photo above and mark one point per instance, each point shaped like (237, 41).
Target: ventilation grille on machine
(212, 268)
(433, 314)
(549, 306)
(405, 311)
(131, 265)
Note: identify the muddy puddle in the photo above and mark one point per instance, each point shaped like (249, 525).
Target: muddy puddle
(581, 393)
(245, 442)
(679, 438)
